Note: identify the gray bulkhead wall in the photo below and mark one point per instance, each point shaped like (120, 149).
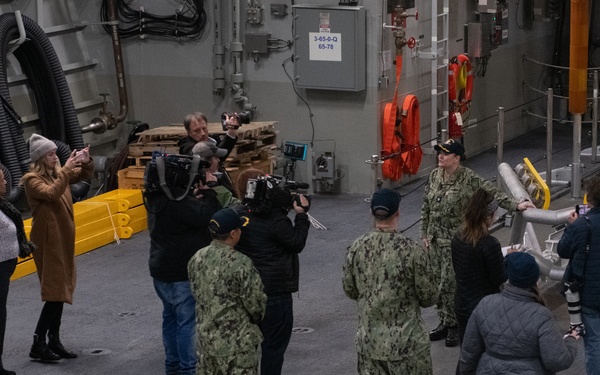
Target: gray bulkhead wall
(167, 80)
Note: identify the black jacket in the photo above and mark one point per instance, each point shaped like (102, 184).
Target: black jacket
(572, 246)
(177, 231)
(187, 144)
(479, 272)
(273, 244)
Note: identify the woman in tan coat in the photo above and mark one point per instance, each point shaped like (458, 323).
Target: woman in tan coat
(53, 231)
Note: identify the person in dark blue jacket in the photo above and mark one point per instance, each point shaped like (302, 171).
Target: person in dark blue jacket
(273, 243)
(586, 270)
(178, 228)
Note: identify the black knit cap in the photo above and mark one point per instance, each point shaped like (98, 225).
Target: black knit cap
(522, 269)
(384, 203)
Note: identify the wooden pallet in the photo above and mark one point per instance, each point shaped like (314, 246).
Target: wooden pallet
(254, 140)
(143, 149)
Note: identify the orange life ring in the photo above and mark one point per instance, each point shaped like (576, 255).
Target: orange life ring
(412, 154)
(460, 83)
(391, 133)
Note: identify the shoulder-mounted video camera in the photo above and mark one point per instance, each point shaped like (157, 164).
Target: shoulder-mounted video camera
(171, 173)
(268, 192)
(242, 118)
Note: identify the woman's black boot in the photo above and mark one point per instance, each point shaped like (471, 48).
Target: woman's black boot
(39, 350)
(57, 347)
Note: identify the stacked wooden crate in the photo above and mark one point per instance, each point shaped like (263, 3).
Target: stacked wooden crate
(253, 149)
(99, 221)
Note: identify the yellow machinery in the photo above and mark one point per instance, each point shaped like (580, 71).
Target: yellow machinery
(99, 221)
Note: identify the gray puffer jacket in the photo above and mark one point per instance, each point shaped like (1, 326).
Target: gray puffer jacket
(511, 333)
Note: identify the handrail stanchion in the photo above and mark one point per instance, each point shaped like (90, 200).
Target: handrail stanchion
(500, 142)
(595, 119)
(549, 129)
(576, 166)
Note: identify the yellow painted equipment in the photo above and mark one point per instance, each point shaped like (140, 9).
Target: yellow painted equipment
(537, 189)
(99, 221)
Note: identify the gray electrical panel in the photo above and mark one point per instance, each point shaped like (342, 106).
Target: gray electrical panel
(330, 47)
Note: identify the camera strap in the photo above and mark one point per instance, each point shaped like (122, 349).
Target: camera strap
(160, 169)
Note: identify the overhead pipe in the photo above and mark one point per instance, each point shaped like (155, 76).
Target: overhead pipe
(237, 50)
(580, 13)
(219, 52)
(106, 120)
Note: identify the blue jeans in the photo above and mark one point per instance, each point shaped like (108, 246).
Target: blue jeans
(591, 339)
(276, 328)
(179, 326)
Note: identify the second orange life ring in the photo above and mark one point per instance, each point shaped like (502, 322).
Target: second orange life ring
(460, 83)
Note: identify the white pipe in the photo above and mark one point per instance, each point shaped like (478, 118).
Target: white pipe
(547, 268)
(219, 52)
(22, 34)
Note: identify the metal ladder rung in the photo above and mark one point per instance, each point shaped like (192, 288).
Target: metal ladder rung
(443, 14)
(442, 66)
(442, 92)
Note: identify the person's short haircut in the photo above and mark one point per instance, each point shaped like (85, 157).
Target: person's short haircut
(592, 188)
(220, 237)
(187, 120)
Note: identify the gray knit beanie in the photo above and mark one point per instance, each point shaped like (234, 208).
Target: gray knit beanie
(39, 146)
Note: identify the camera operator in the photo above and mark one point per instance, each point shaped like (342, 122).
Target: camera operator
(196, 126)
(581, 244)
(178, 228)
(211, 153)
(273, 243)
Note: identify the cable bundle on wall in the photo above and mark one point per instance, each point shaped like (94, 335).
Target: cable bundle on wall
(188, 22)
(57, 116)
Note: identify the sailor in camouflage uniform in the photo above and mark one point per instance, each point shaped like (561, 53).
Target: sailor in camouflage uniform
(447, 193)
(230, 302)
(391, 278)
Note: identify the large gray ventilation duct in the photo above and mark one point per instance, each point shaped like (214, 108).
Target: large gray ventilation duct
(46, 79)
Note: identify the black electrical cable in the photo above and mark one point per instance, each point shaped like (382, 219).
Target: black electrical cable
(310, 113)
(187, 23)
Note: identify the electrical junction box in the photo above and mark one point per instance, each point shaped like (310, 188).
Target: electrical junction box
(279, 10)
(478, 40)
(325, 167)
(330, 47)
(486, 6)
(257, 42)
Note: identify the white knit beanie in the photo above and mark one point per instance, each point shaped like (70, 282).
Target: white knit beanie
(39, 146)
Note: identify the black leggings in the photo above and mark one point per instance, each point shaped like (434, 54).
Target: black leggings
(49, 319)
(6, 270)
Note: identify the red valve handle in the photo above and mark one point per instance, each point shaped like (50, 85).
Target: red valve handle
(411, 42)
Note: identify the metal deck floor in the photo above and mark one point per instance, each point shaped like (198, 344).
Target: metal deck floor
(115, 321)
